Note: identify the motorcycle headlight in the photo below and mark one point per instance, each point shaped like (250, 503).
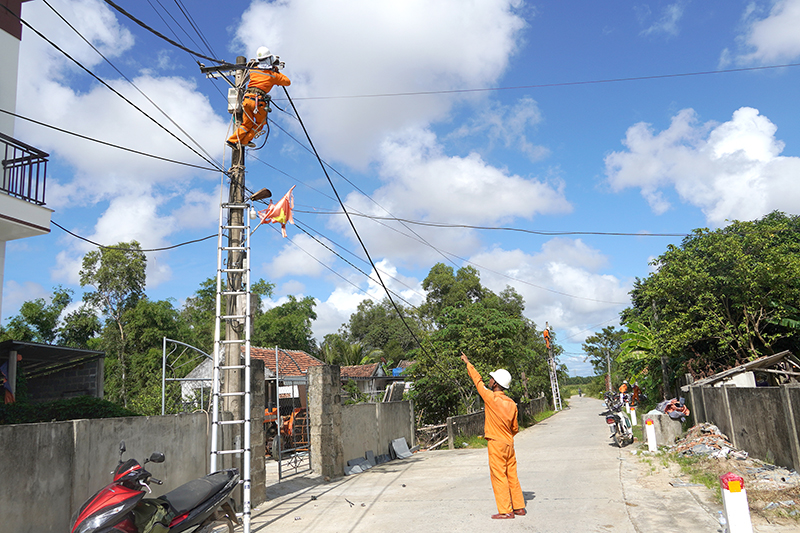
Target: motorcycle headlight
(100, 520)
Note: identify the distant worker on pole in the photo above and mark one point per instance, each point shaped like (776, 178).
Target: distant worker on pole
(500, 426)
(255, 105)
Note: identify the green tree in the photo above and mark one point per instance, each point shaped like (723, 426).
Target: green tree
(489, 328)
(287, 326)
(719, 298)
(380, 327)
(336, 350)
(603, 348)
(117, 275)
(38, 320)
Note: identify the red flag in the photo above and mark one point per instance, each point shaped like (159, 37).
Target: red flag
(280, 213)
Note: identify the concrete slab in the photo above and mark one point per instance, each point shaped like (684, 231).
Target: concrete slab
(574, 478)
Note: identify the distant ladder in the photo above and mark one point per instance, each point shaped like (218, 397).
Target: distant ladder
(222, 370)
(554, 384)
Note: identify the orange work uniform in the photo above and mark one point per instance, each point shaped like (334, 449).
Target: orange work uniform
(254, 105)
(499, 429)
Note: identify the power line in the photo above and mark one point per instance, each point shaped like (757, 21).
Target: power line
(92, 139)
(127, 79)
(495, 228)
(352, 225)
(116, 248)
(162, 36)
(546, 85)
(54, 45)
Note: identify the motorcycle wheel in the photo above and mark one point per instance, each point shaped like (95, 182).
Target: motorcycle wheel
(617, 440)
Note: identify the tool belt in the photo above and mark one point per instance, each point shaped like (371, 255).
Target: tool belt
(257, 92)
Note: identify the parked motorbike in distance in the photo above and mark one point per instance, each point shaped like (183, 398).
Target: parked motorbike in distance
(618, 422)
(202, 505)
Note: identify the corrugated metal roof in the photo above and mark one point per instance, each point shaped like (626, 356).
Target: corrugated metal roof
(761, 363)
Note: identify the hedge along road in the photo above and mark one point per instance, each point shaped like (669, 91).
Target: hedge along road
(573, 476)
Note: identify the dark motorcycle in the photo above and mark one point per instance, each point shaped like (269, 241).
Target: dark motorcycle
(618, 422)
(202, 505)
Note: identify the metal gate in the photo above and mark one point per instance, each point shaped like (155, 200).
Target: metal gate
(286, 422)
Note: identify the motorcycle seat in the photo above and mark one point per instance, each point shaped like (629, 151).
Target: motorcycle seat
(191, 494)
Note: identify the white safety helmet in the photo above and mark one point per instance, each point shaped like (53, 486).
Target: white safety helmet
(263, 53)
(501, 377)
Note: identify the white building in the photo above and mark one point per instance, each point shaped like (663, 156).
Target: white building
(24, 168)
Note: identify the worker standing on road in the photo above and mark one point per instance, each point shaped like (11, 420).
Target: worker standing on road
(255, 104)
(499, 429)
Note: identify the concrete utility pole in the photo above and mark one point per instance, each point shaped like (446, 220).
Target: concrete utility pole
(234, 304)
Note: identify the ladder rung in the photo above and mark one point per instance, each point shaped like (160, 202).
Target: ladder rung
(233, 317)
(228, 205)
(233, 293)
(232, 269)
(234, 227)
(229, 394)
(233, 247)
(237, 341)
(229, 452)
(232, 367)
(229, 422)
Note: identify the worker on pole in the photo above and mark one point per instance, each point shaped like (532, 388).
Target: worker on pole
(500, 426)
(255, 104)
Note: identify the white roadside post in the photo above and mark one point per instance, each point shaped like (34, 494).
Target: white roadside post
(734, 501)
(633, 415)
(650, 433)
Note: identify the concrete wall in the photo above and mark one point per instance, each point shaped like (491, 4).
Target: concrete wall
(49, 470)
(764, 421)
(373, 426)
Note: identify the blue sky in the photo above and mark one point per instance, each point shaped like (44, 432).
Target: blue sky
(485, 113)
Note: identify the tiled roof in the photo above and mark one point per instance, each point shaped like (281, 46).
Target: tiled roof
(291, 362)
(359, 371)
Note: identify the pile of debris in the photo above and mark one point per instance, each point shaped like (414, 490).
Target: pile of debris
(769, 487)
(707, 439)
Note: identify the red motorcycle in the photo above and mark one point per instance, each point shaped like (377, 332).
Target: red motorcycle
(202, 505)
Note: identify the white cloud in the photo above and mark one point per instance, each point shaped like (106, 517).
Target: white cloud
(303, 256)
(667, 23)
(563, 283)
(362, 47)
(422, 183)
(770, 39)
(15, 294)
(732, 170)
(507, 125)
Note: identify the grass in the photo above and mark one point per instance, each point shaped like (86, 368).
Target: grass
(474, 441)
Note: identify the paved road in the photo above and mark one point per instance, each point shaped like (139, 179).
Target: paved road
(573, 477)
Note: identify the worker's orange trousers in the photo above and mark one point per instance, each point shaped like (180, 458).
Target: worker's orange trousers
(505, 483)
(253, 119)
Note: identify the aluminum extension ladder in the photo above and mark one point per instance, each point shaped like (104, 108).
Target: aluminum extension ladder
(551, 362)
(227, 373)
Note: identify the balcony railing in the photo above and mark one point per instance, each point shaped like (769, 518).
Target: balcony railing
(24, 170)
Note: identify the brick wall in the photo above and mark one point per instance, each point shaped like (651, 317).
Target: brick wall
(83, 380)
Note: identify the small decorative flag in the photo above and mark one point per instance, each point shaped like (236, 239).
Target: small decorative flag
(280, 213)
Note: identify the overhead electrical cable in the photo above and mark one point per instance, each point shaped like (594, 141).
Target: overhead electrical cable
(54, 45)
(501, 228)
(128, 80)
(171, 247)
(112, 145)
(307, 227)
(301, 228)
(164, 37)
(194, 26)
(352, 225)
(558, 84)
